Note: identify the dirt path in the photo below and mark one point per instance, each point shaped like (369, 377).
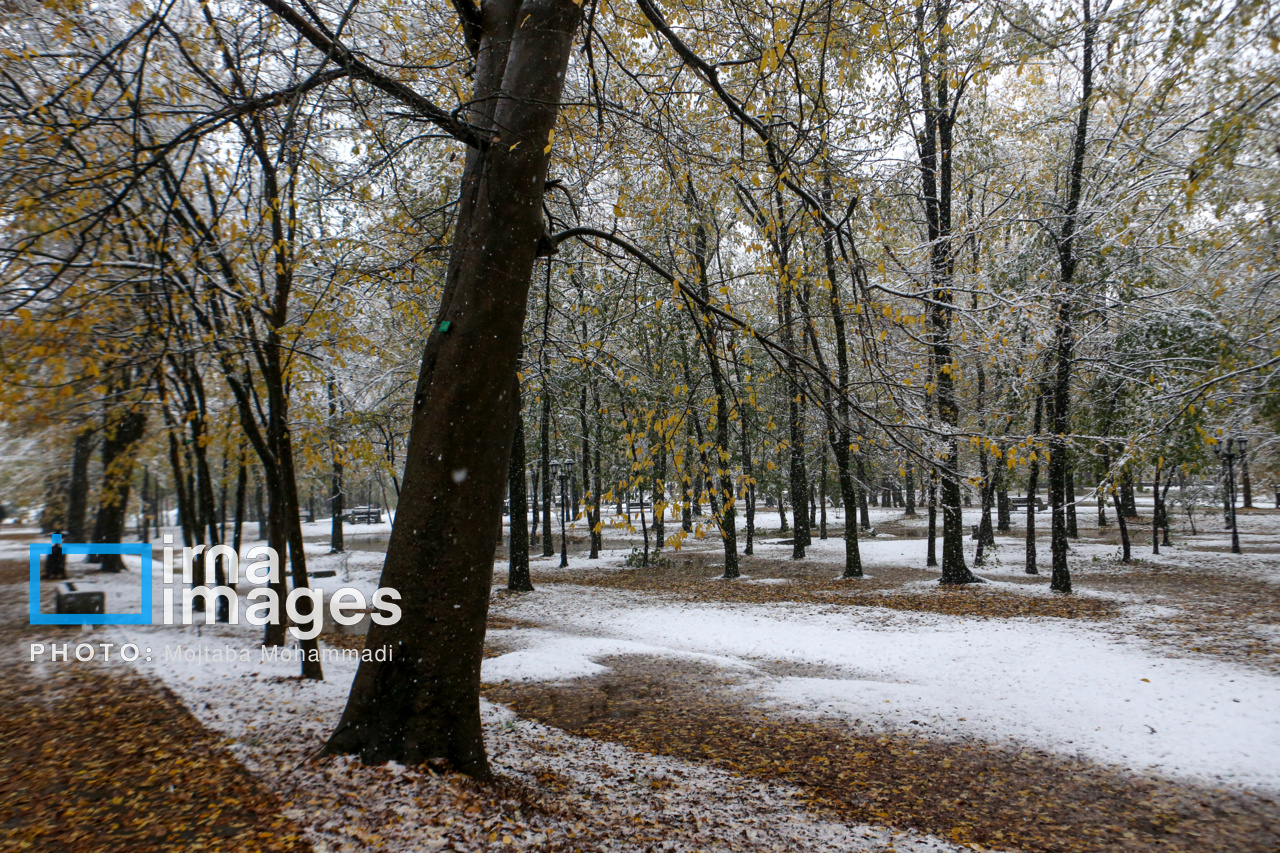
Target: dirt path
(98, 758)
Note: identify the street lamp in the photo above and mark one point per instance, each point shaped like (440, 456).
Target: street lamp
(564, 471)
(1228, 453)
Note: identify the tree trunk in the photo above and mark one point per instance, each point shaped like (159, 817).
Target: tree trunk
(686, 480)
(1064, 334)
(536, 477)
(864, 512)
(424, 703)
(659, 490)
(590, 500)
(1124, 531)
(518, 577)
(1156, 513)
(1004, 518)
(1073, 529)
(242, 484)
(1127, 493)
(337, 501)
(1245, 483)
(748, 473)
(931, 556)
(726, 512)
(264, 522)
(910, 489)
(1033, 484)
(822, 497)
(936, 179)
(597, 527)
(548, 546)
(1164, 507)
(118, 450)
(78, 489)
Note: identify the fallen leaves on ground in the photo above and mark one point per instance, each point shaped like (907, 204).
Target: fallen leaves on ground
(691, 580)
(97, 758)
(1214, 612)
(967, 791)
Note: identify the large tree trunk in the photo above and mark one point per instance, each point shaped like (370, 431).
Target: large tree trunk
(935, 172)
(118, 448)
(839, 417)
(78, 488)
(726, 508)
(1064, 333)
(424, 703)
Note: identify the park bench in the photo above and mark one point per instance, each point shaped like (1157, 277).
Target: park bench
(1021, 503)
(364, 515)
(79, 597)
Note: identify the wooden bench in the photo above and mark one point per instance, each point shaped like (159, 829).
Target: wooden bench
(79, 597)
(364, 515)
(1021, 503)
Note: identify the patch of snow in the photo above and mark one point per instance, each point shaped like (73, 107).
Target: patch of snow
(1057, 685)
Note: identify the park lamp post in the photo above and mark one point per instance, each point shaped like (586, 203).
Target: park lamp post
(1227, 452)
(564, 470)
(549, 490)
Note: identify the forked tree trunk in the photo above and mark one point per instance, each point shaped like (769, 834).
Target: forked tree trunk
(424, 703)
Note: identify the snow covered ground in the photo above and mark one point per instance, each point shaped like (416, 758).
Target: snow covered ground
(1074, 688)
(1051, 684)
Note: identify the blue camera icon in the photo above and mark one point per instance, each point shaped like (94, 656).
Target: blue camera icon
(39, 550)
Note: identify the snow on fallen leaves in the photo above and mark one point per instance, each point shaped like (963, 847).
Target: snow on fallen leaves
(695, 582)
